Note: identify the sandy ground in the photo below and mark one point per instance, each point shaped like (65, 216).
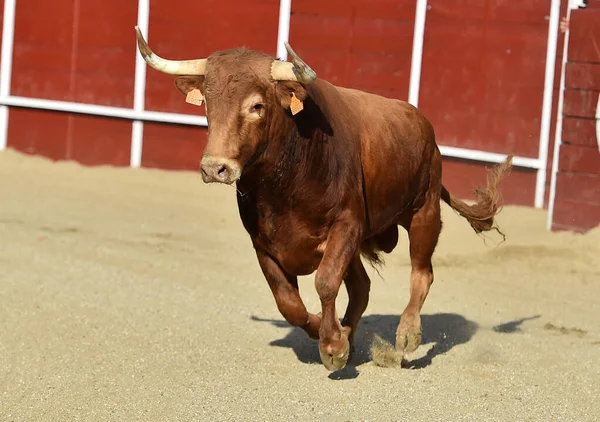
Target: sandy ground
(131, 295)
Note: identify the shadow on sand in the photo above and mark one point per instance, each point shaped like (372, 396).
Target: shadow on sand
(443, 330)
(513, 326)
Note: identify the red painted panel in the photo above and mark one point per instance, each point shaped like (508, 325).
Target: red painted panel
(578, 187)
(593, 4)
(99, 140)
(105, 53)
(89, 140)
(361, 45)
(43, 49)
(173, 147)
(462, 177)
(38, 132)
(401, 10)
(483, 74)
(584, 37)
(576, 217)
(580, 103)
(533, 11)
(322, 8)
(323, 42)
(583, 76)
(579, 132)
(194, 29)
(579, 159)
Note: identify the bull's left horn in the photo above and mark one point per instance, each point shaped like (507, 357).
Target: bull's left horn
(297, 70)
(172, 67)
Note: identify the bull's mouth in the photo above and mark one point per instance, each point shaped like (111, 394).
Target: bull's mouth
(220, 170)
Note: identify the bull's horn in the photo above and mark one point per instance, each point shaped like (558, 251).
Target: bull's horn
(297, 70)
(172, 67)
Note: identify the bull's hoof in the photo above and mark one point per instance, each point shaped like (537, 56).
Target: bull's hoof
(409, 334)
(335, 362)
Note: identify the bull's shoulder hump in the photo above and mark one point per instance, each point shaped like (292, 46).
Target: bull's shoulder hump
(360, 99)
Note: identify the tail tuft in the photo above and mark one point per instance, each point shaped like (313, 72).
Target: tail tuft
(481, 214)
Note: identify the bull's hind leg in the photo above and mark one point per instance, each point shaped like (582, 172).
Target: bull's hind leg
(423, 232)
(287, 296)
(358, 286)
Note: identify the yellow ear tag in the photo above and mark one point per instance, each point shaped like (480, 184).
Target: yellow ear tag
(296, 105)
(194, 97)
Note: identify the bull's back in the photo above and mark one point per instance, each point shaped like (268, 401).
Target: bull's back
(397, 150)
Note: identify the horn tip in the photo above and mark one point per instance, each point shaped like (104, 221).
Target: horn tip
(142, 45)
(303, 72)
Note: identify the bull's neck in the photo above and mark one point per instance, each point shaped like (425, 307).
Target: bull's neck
(301, 150)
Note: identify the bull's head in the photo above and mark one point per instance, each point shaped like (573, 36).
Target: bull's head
(245, 94)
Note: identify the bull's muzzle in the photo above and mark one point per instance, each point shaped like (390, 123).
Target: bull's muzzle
(220, 170)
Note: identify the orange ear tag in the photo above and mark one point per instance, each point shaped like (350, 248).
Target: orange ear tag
(296, 105)
(194, 97)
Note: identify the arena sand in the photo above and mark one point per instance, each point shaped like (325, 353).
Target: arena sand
(134, 295)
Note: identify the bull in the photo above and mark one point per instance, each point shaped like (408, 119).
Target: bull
(325, 175)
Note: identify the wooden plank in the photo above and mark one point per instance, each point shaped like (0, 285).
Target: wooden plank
(580, 103)
(578, 187)
(104, 71)
(183, 151)
(593, 4)
(39, 132)
(97, 140)
(583, 76)
(579, 159)
(43, 50)
(577, 131)
(575, 216)
(584, 37)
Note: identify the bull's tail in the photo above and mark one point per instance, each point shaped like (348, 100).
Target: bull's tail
(481, 214)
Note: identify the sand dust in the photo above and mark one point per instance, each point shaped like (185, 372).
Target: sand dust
(134, 295)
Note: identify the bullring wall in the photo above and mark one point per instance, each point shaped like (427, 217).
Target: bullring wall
(482, 76)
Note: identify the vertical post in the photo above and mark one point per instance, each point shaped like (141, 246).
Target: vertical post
(8, 33)
(139, 90)
(540, 186)
(283, 31)
(558, 131)
(417, 53)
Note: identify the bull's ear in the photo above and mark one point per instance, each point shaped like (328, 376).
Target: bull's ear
(185, 84)
(286, 90)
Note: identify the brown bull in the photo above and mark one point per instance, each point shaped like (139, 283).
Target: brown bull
(317, 188)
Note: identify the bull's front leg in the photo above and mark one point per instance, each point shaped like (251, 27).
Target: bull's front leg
(287, 297)
(342, 244)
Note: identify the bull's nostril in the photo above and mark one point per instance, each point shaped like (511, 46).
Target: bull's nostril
(223, 172)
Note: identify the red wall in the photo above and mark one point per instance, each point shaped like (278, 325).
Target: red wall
(481, 86)
(577, 203)
(84, 54)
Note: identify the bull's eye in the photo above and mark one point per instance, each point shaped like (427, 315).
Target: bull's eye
(253, 107)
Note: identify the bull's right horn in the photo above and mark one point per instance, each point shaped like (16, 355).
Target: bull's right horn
(297, 70)
(172, 67)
